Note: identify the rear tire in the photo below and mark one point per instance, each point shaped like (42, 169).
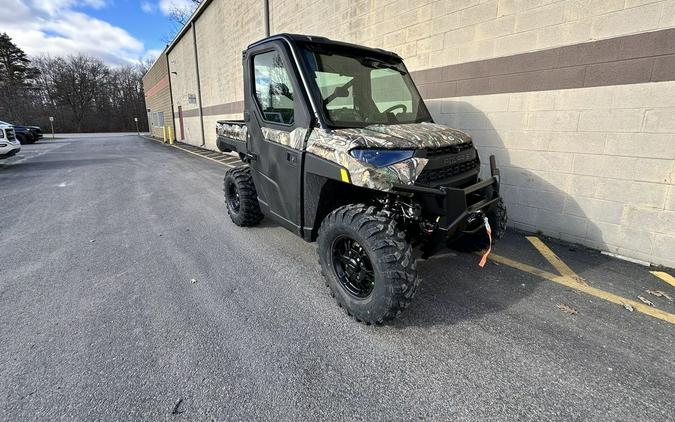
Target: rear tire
(241, 197)
(367, 263)
(478, 241)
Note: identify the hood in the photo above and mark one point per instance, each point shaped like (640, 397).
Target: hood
(412, 135)
(334, 145)
(404, 136)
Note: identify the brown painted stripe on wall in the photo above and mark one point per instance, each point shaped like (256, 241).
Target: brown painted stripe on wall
(226, 108)
(632, 59)
(640, 58)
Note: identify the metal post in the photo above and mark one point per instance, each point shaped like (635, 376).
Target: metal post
(137, 130)
(199, 87)
(266, 16)
(51, 123)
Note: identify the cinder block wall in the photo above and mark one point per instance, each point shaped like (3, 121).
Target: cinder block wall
(583, 129)
(183, 74)
(221, 34)
(575, 98)
(157, 93)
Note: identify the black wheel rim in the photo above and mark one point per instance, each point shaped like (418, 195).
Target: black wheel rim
(233, 197)
(353, 267)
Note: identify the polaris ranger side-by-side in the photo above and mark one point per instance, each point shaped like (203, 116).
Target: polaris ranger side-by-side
(341, 149)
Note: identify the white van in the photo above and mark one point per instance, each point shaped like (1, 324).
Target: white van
(9, 145)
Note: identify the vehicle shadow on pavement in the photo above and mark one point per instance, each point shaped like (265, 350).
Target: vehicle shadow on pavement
(454, 288)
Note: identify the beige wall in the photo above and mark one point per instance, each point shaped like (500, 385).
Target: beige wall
(436, 33)
(220, 47)
(184, 85)
(592, 165)
(158, 94)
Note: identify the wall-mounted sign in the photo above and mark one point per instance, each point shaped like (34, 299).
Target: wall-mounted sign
(192, 99)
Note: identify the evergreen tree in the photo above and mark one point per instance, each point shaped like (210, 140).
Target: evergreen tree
(17, 78)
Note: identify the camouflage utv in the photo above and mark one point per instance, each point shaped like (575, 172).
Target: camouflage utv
(341, 149)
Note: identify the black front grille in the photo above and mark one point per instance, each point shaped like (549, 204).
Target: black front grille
(10, 134)
(450, 149)
(429, 176)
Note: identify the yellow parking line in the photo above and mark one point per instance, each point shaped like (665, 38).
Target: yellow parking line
(665, 277)
(202, 156)
(553, 259)
(191, 152)
(568, 282)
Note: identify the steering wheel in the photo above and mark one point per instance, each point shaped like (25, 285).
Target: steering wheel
(394, 107)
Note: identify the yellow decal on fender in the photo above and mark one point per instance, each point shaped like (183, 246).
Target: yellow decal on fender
(344, 175)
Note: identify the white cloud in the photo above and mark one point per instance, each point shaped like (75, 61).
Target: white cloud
(148, 7)
(151, 55)
(56, 28)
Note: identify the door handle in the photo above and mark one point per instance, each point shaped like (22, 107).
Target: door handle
(292, 158)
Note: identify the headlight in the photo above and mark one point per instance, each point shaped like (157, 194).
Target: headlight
(382, 157)
(2, 133)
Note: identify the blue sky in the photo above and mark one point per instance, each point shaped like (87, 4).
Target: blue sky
(117, 31)
(149, 27)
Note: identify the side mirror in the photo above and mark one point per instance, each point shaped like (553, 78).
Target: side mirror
(279, 88)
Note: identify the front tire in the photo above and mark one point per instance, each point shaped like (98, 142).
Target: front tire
(367, 263)
(241, 197)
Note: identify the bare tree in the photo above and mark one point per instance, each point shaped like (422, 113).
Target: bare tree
(178, 17)
(85, 94)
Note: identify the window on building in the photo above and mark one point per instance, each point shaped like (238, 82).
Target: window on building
(273, 88)
(160, 118)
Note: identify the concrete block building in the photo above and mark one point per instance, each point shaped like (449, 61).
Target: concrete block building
(158, 98)
(576, 98)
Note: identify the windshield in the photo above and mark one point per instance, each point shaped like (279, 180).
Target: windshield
(357, 90)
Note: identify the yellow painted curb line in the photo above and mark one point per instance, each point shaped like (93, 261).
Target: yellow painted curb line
(573, 284)
(553, 259)
(665, 277)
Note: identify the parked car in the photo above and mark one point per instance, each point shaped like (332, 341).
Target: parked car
(9, 145)
(26, 134)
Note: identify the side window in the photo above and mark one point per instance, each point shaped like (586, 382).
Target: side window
(273, 88)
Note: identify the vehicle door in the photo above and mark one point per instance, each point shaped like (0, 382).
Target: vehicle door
(278, 118)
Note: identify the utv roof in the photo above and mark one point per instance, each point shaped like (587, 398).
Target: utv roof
(298, 38)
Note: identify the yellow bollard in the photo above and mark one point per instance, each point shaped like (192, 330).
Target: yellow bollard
(164, 134)
(170, 135)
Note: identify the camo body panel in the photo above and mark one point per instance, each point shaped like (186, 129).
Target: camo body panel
(294, 139)
(233, 131)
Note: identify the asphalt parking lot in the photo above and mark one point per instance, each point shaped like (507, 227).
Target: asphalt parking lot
(127, 294)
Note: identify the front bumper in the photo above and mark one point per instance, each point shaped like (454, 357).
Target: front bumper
(457, 209)
(8, 149)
